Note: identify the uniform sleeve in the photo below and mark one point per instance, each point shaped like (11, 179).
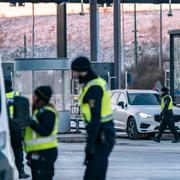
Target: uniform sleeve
(45, 125)
(94, 99)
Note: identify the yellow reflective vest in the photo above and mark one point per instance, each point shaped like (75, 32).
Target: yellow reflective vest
(106, 112)
(170, 104)
(36, 142)
(10, 100)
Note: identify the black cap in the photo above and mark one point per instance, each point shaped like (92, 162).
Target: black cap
(165, 89)
(8, 83)
(44, 92)
(81, 64)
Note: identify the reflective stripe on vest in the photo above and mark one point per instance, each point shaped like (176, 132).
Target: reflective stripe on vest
(170, 107)
(106, 112)
(34, 141)
(10, 100)
(41, 140)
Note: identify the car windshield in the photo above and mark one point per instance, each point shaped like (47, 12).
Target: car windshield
(143, 99)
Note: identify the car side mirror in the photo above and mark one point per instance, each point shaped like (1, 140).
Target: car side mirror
(121, 103)
(21, 111)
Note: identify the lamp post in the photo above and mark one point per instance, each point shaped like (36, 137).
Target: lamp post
(123, 41)
(170, 9)
(82, 8)
(33, 73)
(94, 30)
(160, 40)
(117, 42)
(33, 30)
(135, 37)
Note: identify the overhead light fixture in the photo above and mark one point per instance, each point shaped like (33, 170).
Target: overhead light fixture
(170, 10)
(108, 5)
(82, 8)
(21, 4)
(12, 4)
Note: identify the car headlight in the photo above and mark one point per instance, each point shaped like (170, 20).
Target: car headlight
(2, 140)
(144, 115)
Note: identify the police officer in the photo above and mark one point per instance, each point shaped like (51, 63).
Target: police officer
(166, 116)
(15, 132)
(96, 110)
(41, 135)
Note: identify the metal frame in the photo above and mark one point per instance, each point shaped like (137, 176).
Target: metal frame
(87, 1)
(173, 34)
(30, 64)
(40, 64)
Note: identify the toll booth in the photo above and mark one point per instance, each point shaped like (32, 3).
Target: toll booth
(31, 73)
(8, 69)
(175, 65)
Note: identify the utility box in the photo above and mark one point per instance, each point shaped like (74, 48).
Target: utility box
(105, 70)
(8, 70)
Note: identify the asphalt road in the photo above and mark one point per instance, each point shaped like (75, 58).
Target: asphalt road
(130, 160)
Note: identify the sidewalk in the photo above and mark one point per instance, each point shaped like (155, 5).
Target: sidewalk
(72, 137)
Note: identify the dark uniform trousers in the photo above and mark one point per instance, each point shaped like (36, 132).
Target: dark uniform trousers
(168, 121)
(16, 143)
(97, 165)
(42, 164)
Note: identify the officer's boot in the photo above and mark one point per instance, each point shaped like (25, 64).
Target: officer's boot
(23, 174)
(176, 141)
(156, 139)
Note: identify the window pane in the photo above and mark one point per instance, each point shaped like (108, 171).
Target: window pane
(143, 99)
(122, 98)
(114, 98)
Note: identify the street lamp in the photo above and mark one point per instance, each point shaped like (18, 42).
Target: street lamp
(33, 30)
(160, 40)
(170, 9)
(82, 9)
(123, 41)
(135, 37)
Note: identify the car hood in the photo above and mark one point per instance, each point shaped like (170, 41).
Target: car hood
(150, 109)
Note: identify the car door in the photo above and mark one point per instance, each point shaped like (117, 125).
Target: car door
(114, 98)
(122, 110)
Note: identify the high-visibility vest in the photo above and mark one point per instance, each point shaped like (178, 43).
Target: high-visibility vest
(170, 107)
(106, 112)
(36, 142)
(10, 100)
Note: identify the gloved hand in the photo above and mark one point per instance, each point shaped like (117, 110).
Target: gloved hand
(26, 123)
(28, 157)
(89, 154)
(161, 117)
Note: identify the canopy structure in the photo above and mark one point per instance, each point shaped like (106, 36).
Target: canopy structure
(87, 1)
(61, 26)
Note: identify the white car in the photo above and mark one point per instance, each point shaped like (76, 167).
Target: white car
(137, 112)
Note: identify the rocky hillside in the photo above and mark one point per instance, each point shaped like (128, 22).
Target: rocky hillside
(13, 30)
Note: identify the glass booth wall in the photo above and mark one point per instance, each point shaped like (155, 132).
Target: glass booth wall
(59, 80)
(177, 65)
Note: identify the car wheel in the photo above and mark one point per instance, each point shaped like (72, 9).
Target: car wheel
(132, 129)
